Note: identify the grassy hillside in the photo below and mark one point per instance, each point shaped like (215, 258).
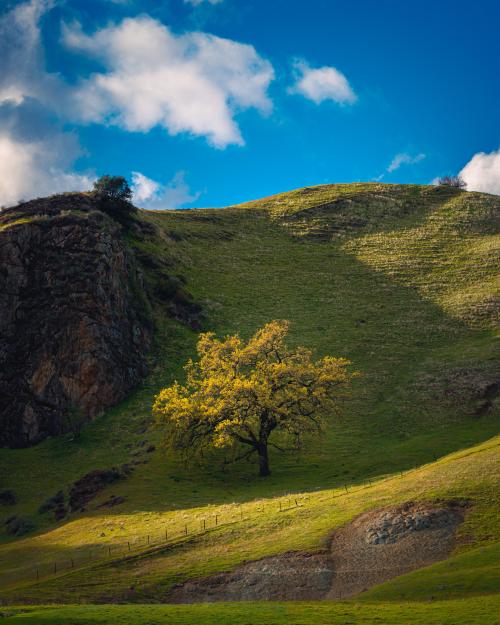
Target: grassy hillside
(403, 280)
(259, 528)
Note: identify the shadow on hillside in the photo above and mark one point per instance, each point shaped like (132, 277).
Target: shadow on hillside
(337, 304)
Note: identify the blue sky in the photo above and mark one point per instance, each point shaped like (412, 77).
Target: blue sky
(213, 102)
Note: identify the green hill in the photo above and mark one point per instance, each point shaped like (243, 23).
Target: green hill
(402, 280)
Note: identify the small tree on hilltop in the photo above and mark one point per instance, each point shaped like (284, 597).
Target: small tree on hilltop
(114, 196)
(453, 181)
(113, 188)
(239, 394)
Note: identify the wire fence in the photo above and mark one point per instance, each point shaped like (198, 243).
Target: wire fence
(157, 541)
(170, 536)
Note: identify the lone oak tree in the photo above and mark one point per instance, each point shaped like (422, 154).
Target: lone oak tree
(238, 394)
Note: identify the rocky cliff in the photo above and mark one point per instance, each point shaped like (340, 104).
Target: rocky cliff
(73, 329)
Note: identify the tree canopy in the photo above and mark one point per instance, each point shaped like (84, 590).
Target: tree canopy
(238, 394)
(114, 198)
(113, 188)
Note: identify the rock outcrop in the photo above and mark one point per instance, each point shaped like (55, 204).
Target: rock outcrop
(74, 331)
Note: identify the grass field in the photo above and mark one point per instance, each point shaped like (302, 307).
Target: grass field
(403, 281)
(477, 611)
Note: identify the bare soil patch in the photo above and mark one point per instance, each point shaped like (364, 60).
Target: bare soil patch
(372, 549)
(286, 577)
(378, 546)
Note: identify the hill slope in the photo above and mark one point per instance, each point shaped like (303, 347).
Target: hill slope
(403, 280)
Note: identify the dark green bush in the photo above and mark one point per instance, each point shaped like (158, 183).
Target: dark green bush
(114, 196)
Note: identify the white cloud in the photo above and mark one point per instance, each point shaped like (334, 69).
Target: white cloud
(324, 83)
(151, 194)
(482, 172)
(192, 83)
(196, 3)
(404, 159)
(22, 71)
(36, 169)
(34, 153)
(144, 188)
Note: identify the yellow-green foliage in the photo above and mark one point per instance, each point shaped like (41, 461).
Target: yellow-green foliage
(238, 394)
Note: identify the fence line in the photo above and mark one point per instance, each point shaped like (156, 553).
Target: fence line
(127, 549)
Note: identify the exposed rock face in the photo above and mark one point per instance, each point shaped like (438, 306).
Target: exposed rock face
(73, 331)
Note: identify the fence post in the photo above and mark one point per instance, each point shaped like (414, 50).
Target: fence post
(166, 534)
(345, 486)
(109, 550)
(280, 506)
(186, 529)
(216, 519)
(128, 543)
(148, 539)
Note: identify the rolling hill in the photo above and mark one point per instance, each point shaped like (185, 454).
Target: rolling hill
(402, 280)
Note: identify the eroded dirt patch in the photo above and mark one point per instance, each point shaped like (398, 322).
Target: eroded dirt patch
(378, 546)
(372, 549)
(286, 577)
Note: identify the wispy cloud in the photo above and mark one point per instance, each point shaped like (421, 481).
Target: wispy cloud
(151, 194)
(191, 83)
(198, 2)
(321, 84)
(404, 159)
(482, 172)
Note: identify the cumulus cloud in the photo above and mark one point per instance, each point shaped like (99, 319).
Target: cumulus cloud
(144, 188)
(153, 195)
(482, 172)
(323, 83)
(193, 83)
(35, 154)
(404, 159)
(37, 168)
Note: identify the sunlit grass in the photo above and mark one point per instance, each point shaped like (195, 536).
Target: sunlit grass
(408, 296)
(300, 521)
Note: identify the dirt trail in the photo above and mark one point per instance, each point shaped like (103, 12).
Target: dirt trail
(372, 549)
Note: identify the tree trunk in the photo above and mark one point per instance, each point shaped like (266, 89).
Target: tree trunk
(264, 469)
